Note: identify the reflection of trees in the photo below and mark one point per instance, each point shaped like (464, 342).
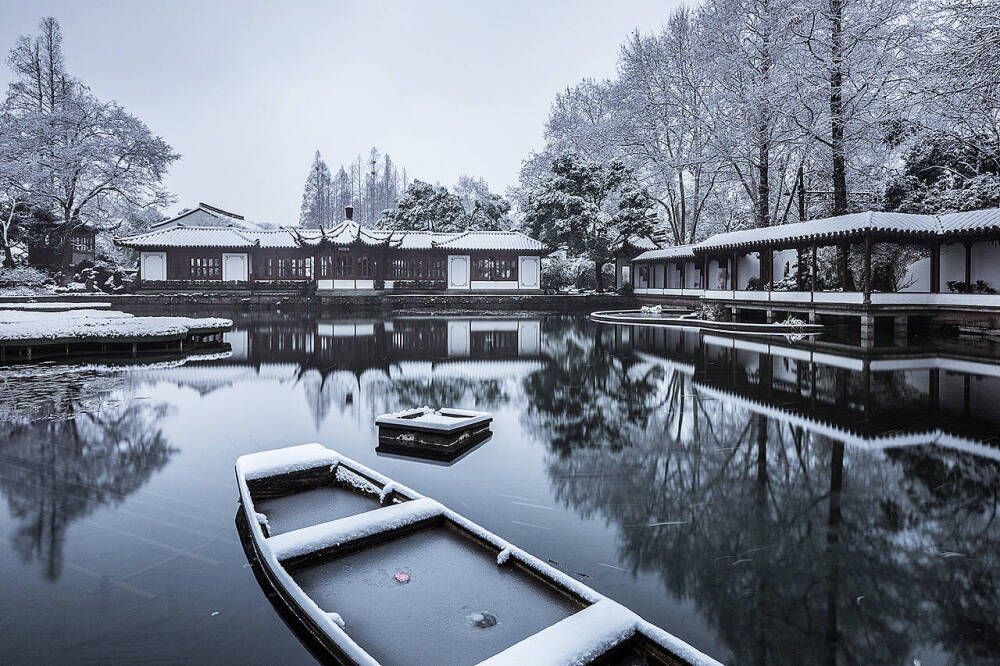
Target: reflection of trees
(588, 396)
(444, 392)
(795, 549)
(82, 450)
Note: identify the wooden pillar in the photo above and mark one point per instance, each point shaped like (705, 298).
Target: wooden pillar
(845, 250)
(682, 266)
(935, 278)
(868, 268)
(770, 270)
(733, 274)
(968, 263)
(813, 267)
(704, 274)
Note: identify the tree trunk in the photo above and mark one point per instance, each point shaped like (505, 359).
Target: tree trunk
(8, 258)
(837, 108)
(598, 265)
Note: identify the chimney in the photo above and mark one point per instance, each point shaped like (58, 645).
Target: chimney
(349, 212)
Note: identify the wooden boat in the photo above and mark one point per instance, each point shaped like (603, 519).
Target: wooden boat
(442, 434)
(371, 572)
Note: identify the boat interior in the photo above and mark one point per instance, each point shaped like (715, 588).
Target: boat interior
(411, 581)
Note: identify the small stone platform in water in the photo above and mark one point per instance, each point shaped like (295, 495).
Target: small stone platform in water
(442, 434)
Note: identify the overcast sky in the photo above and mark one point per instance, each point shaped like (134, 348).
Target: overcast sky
(247, 91)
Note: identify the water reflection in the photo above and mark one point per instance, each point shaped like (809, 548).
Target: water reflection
(818, 508)
(771, 502)
(77, 443)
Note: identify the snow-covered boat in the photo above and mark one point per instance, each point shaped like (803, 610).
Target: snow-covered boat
(368, 571)
(438, 434)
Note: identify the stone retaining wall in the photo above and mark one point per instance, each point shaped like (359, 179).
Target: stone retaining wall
(351, 303)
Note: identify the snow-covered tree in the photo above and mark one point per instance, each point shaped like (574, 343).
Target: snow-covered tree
(424, 207)
(96, 162)
(589, 208)
(317, 209)
(854, 82)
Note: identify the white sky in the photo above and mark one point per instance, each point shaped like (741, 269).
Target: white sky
(247, 91)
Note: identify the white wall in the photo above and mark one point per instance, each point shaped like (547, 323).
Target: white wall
(784, 260)
(918, 276)
(690, 275)
(658, 276)
(488, 285)
(529, 272)
(986, 263)
(952, 265)
(747, 266)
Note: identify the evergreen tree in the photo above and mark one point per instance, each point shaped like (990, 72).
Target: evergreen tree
(589, 208)
(424, 207)
(317, 197)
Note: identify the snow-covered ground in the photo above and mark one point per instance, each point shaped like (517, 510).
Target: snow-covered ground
(19, 325)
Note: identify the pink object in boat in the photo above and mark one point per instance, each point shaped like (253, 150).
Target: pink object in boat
(402, 578)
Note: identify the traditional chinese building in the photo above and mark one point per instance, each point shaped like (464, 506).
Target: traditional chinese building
(345, 257)
(945, 265)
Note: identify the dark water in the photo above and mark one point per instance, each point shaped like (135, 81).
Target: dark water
(784, 504)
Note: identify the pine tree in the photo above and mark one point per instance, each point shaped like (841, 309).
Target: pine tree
(317, 197)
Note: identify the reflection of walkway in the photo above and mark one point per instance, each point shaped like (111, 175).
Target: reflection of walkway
(861, 401)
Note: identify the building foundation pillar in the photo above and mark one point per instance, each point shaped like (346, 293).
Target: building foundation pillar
(770, 316)
(900, 328)
(813, 317)
(867, 331)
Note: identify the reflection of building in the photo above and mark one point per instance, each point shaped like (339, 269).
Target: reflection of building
(345, 257)
(367, 366)
(860, 400)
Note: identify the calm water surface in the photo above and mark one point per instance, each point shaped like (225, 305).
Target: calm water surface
(780, 503)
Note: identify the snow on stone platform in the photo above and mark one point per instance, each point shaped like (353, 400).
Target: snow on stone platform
(54, 306)
(19, 326)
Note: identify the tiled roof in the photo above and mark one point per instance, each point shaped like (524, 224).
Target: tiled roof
(673, 252)
(988, 218)
(342, 234)
(827, 229)
(489, 240)
(181, 236)
(638, 242)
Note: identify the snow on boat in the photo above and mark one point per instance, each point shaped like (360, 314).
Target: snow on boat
(443, 434)
(368, 571)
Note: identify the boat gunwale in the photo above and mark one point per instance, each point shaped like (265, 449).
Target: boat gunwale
(673, 650)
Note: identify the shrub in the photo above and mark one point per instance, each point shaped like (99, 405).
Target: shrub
(420, 285)
(24, 276)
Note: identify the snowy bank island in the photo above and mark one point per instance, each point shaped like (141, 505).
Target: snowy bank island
(27, 334)
(368, 571)
(442, 435)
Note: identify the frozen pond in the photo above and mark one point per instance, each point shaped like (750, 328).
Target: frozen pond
(783, 503)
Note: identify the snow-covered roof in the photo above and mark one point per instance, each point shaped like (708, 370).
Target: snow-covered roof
(973, 220)
(832, 229)
(487, 240)
(827, 229)
(673, 252)
(206, 215)
(637, 242)
(345, 233)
